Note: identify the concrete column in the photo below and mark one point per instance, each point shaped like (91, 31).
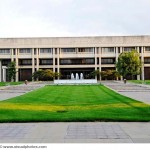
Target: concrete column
(100, 65)
(33, 63)
(37, 59)
(58, 69)
(53, 59)
(121, 49)
(138, 50)
(95, 60)
(0, 70)
(12, 55)
(142, 59)
(4, 73)
(117, 55)
(17, 51)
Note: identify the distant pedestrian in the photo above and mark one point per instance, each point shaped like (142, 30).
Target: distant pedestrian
(26, 82)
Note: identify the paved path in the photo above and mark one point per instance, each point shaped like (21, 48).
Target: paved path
(135, 91)
(88, 132)
(7, 92)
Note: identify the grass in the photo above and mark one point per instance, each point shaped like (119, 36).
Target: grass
(140, 81)
(73, 103)
(9, 83)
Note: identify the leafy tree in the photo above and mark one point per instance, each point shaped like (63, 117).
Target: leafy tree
(12, 71)
(45, 75)
(38, 74)
(129, 63)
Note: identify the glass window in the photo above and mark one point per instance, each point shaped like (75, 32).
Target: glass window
(147, 60)
(147, 49)
(46, 62)
(25, 50)
(86, 50)
(108, 49)
(68, 50)
(46, 50)
(25, 62)
(108, 60)
(128, 49)
(83, 61)
(5, 51)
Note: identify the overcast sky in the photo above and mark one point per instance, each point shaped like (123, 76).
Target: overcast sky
(54, 18)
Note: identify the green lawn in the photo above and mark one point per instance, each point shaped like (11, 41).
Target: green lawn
(9, 83)
(140, 81)
(73, 103)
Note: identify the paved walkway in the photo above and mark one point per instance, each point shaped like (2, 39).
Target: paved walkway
(136, 91)
(88, 132)
(7, 92)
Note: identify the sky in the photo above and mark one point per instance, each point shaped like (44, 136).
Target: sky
(65, 18)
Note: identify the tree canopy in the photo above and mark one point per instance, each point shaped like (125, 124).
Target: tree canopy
(129, 63)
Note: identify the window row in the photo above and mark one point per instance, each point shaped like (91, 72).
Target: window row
(4, 51)
(82, 61)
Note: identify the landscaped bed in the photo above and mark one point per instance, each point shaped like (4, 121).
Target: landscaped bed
(140, 81)
(73, 103)
(9, 83)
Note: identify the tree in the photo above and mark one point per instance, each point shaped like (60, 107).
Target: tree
(12, 71)
(45, 75)
(38, 74)
(129, 63)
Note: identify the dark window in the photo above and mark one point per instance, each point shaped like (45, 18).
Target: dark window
(108, 49)
(46, 62)
(4, 51)
(147, 49)
(86, 50)
(82, 61)
(25, 62)
(68, 50)
(147, 60)
(46, 50)
(108, 60)
(128, 49)
(25, 50)
(5, 62)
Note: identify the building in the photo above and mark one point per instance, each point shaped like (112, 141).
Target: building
(70, 54)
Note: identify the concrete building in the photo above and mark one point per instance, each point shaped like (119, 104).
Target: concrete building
(70, 54)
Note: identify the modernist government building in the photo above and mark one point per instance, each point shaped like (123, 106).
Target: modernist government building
(67, 55)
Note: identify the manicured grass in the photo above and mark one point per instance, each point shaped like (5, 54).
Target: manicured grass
(9, 83)
(73, 103)
(140, 81)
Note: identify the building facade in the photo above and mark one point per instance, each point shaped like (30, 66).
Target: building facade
(68, 55)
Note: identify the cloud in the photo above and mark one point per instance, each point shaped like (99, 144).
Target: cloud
(21, 18)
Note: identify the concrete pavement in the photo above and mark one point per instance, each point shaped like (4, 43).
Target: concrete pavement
(81, 132)
(136, 91)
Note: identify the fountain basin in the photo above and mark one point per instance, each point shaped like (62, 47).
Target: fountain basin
(85, 81)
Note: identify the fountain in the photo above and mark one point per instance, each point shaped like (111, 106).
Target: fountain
(77, 76)
(75, 80)
(72, 76)
(81, 76)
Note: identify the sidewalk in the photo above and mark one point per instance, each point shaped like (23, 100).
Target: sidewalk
(7, 92)
(132, 90)
(86, 132)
